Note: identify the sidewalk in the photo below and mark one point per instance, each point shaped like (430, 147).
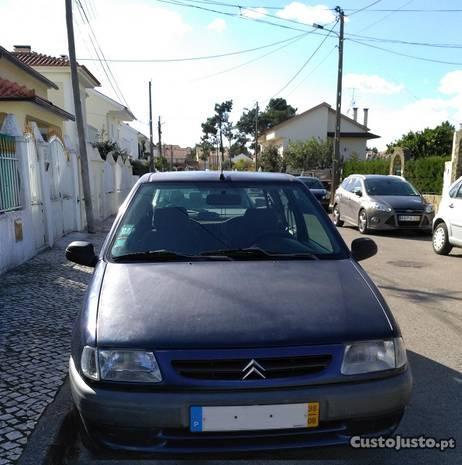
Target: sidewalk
(38, 303)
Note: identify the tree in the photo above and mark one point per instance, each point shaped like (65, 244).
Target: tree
(239, 145)
(427, 143)
(277, 111)
(216, 127)
(313, 154)
(244, 165)
(270, 160)
(161, 164)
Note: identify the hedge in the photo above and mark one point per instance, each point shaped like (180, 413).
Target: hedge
(426, 174)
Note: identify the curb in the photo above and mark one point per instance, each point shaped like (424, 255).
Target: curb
(52, 436)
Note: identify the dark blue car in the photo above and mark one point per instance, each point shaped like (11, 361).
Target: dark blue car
(226, 313)
(318, 189)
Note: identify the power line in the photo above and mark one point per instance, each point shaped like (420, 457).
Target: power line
(386, 16)
(96, 46)
(305, 63)
(364, 8)
(431, 60)
(203, 57)
(292, 41)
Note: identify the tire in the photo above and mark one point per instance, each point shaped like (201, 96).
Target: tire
(362, 222)
(440, 240)
(336, 215)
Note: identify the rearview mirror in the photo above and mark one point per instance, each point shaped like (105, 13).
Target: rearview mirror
(82, 253)
(363, 248)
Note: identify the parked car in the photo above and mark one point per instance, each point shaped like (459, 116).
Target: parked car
(318, 189)
(215, 324)
(379, 202)
(447, 225)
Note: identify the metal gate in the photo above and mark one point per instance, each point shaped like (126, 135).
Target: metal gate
(61, 189)
(36, 192)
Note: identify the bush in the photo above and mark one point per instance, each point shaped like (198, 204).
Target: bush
(140, 167)
(355, 166)
(426, 174)
(312, 154)
(244, 165)
(270, 160)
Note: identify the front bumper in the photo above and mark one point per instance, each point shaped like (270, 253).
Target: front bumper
(150, 421)
(390, 221)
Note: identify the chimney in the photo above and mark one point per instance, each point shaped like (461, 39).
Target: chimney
(355, 113)
(22, 48)
(366, 111)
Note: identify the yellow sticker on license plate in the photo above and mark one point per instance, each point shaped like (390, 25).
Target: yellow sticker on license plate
(313, 415)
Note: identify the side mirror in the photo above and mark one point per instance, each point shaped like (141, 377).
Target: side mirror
(82, 253)
(363, 248)
(359, 192)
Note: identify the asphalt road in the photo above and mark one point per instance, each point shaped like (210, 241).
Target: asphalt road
(425, 293)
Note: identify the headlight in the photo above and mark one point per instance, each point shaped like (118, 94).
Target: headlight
(131, 366)
(372, 356)
(380, 207)
(429, 208)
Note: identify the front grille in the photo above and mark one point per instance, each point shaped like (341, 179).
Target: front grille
(235, 369)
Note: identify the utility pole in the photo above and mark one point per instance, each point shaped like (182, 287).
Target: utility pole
(171, 157)
(338, 109)
(79, 120)
(151, 145)
(256, 138)
(159, 132)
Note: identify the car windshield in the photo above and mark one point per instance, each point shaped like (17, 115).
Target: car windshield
(389, 186)
(233, 220)
(312, 183)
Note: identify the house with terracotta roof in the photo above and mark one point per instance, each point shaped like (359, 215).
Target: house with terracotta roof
(58, 70)
(319, 122)
(24, 93)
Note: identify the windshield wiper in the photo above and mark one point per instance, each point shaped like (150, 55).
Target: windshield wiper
(157, 256)
(252, 253)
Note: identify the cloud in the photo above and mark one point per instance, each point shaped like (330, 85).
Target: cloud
(372, 84)
(217, 25)
(254, 13)
(451, 83)
(320, 14)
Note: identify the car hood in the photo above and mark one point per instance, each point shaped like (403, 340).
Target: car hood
(238, 304)
(401, 202)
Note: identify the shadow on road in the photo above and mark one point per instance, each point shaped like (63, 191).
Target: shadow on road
(434, 411)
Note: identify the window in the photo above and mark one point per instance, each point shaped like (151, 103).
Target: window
(10, 193)
(459, 193)
(389, 186)
(345, 183)
(455, 190)
(354, 185)
(202, 217)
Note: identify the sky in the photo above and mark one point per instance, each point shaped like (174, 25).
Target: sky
(402, 93)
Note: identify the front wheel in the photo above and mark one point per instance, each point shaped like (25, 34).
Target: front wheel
(440, 240)
(336, 215)
(362, 222)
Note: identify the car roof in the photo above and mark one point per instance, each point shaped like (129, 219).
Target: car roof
(308, 177)
(376, 176)
(210, 176)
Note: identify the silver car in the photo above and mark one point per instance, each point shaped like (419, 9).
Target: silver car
(379, 202)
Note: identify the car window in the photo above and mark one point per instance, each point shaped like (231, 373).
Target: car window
(456, 190)
(354, 185)
(313, 183)
(194, 219)
(345, 183)
(389, 186)
(459, 193)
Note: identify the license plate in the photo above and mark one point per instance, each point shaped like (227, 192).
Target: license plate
(254, 417)
(409, 218)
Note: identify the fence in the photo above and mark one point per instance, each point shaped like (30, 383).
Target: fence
(41, 196)
(10, 195)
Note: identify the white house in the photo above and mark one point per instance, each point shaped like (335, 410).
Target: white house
(319, 122)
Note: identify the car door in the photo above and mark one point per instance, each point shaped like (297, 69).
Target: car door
(352, 201)
(455, 216)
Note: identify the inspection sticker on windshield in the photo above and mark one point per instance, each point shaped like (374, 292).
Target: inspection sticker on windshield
(409, 218)
(254, 417)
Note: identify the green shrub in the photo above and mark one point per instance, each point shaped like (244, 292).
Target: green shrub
(355, 166)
